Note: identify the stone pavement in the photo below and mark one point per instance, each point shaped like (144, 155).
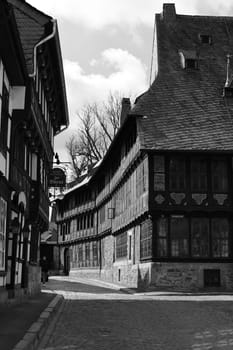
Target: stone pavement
(95, 317)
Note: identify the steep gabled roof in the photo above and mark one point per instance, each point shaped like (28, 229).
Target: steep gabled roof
(184, 109)
(31, 26)
(10, 46)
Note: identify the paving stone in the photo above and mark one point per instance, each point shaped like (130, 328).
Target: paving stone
(117, 321)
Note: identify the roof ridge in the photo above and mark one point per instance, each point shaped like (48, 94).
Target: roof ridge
(215, 17)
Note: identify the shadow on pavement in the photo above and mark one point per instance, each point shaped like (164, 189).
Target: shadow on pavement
(17, 317)
(78, 287)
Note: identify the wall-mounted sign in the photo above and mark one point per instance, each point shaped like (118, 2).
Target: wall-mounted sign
(57, 178)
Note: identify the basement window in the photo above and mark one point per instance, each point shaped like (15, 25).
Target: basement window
(205, 39)
(212, 278)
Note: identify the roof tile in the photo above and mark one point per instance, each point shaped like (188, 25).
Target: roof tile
(185, 108)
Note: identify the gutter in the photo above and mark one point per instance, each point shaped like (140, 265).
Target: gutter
(50, 36)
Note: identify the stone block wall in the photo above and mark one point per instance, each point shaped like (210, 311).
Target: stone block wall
(188, 276)
(85, 272)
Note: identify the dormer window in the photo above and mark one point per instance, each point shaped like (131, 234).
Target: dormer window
(190, 63)
(205, 39)
(189, 59)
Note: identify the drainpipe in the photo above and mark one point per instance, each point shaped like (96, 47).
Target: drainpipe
(228, 81)
(50, 36)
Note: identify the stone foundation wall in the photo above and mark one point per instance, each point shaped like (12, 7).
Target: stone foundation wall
(188, 276)
(85, 272)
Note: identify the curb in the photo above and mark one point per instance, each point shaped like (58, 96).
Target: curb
(35, 333)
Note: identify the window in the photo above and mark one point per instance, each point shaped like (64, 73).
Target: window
(19, 149)
(159, 173)
(191, 63)
(212, 278)
(220, 234)
(130, 247)
(177, 181)
(179, 236)
(196, 237)
(87, 253)
(92, 220)
(162, 229)
(118, 202)
(128, 192)
(205, 39)
(121, 245)
(102, 214)
(95, 246)
(141, 174)
(189, 59)
(219, 176)
(4, 118)
(200, 237)
(80, 254)
(198, 176)
(145, 240)
(3, 215)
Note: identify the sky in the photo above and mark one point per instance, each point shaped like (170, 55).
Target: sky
(107, 47)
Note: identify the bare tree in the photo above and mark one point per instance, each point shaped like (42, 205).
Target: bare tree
(98, 124)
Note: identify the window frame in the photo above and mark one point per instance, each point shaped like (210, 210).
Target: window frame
(3, 222)
(198, 175)
(220, 176)
(4, 118)
(219, 238)
(121, 245)
(227, 241)
(146, 241)
(177, 175)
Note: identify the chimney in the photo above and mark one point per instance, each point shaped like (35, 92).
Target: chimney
(169, 13)
(125, 109)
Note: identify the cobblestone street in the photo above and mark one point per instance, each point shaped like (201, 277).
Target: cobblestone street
(96, 317)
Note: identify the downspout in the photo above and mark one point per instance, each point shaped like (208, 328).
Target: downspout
(50, 36)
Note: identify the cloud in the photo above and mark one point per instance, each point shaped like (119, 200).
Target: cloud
(98, 14)
(128, 76)
(102, 13)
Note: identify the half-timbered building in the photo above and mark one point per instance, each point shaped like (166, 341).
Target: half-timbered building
(12, 96)
(163, 192)
(34, 110)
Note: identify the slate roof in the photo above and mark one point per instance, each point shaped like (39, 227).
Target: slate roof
(31, 28)
(184, 109)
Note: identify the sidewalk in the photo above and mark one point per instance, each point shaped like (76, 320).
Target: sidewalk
(205, 294)
(23, 323)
